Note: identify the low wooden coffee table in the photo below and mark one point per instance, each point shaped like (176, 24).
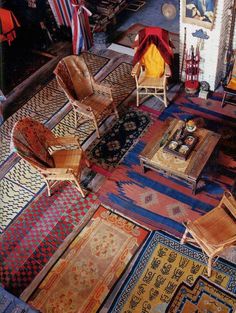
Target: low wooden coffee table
(189, 171)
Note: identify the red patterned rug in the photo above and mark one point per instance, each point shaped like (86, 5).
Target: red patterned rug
(83, 276)
(164, 203)
(34, 236)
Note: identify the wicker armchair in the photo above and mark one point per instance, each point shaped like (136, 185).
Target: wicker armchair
(90, 100)
(214, 231)
(55, 158)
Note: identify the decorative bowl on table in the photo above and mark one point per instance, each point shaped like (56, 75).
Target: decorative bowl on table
(191, 126)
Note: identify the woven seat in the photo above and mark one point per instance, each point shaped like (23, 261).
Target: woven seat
(90, 100)
(214, 231)
(55, 158)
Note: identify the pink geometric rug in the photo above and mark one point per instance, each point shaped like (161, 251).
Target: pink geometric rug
(30, 241)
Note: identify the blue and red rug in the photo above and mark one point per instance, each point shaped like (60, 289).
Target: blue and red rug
(163, 203)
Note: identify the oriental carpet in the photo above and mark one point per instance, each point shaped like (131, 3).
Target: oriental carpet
(202, 296)
(108, 151)
(83, 276)
(161, 267)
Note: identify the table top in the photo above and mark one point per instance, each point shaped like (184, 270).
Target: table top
(155, 157)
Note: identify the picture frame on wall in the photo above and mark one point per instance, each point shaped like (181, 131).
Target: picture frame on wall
(199, 12)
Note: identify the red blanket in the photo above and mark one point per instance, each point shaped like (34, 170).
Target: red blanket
(157, 36)
(8, 24)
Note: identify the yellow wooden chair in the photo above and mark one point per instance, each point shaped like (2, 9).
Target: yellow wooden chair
(147, 85)
(214, 231)
(55, 158)
(90, 100)
(151, 71)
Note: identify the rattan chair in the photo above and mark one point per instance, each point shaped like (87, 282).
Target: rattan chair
(214, 231)
(55, 158)
(152, 59)
(90, 100)
(151, 86)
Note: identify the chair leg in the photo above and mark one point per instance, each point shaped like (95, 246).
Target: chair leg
(222, 103)
(75, 120)
(80, 189)
(137, 99)
(184, 238)
(116, 112)
(48, 187)
(209, 265)
(97, 129)
(165, 98)
(87, 162)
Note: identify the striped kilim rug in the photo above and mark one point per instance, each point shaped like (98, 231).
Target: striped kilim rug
(34, 225)
(92, 264)
(19, 182)
(160, 268)
(164, 203)
(33, 237)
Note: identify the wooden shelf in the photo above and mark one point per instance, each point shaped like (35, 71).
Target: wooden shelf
(104, 13)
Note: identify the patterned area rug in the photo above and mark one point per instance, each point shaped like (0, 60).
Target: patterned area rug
(164, 203)
(34, 236)
(11, 304)
(160, 268)
(33, 229)
(109, 151)
(20, 182)
(202, 296)
(121, 82)
(83, 276)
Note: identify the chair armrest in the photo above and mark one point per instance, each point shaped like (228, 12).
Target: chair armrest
(102, 88)
(136, 69)
(56, 171)
(64, 141)
(81, 107)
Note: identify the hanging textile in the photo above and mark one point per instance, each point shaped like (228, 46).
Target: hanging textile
(81, 32)
(8, 25)
(62, 11)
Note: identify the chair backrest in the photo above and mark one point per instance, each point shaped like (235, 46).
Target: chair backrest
(228, 203)
(29, 139)
(74, 77)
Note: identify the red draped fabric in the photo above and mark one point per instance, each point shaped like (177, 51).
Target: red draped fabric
(81, 32)
(8, 25)
(157, 36)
